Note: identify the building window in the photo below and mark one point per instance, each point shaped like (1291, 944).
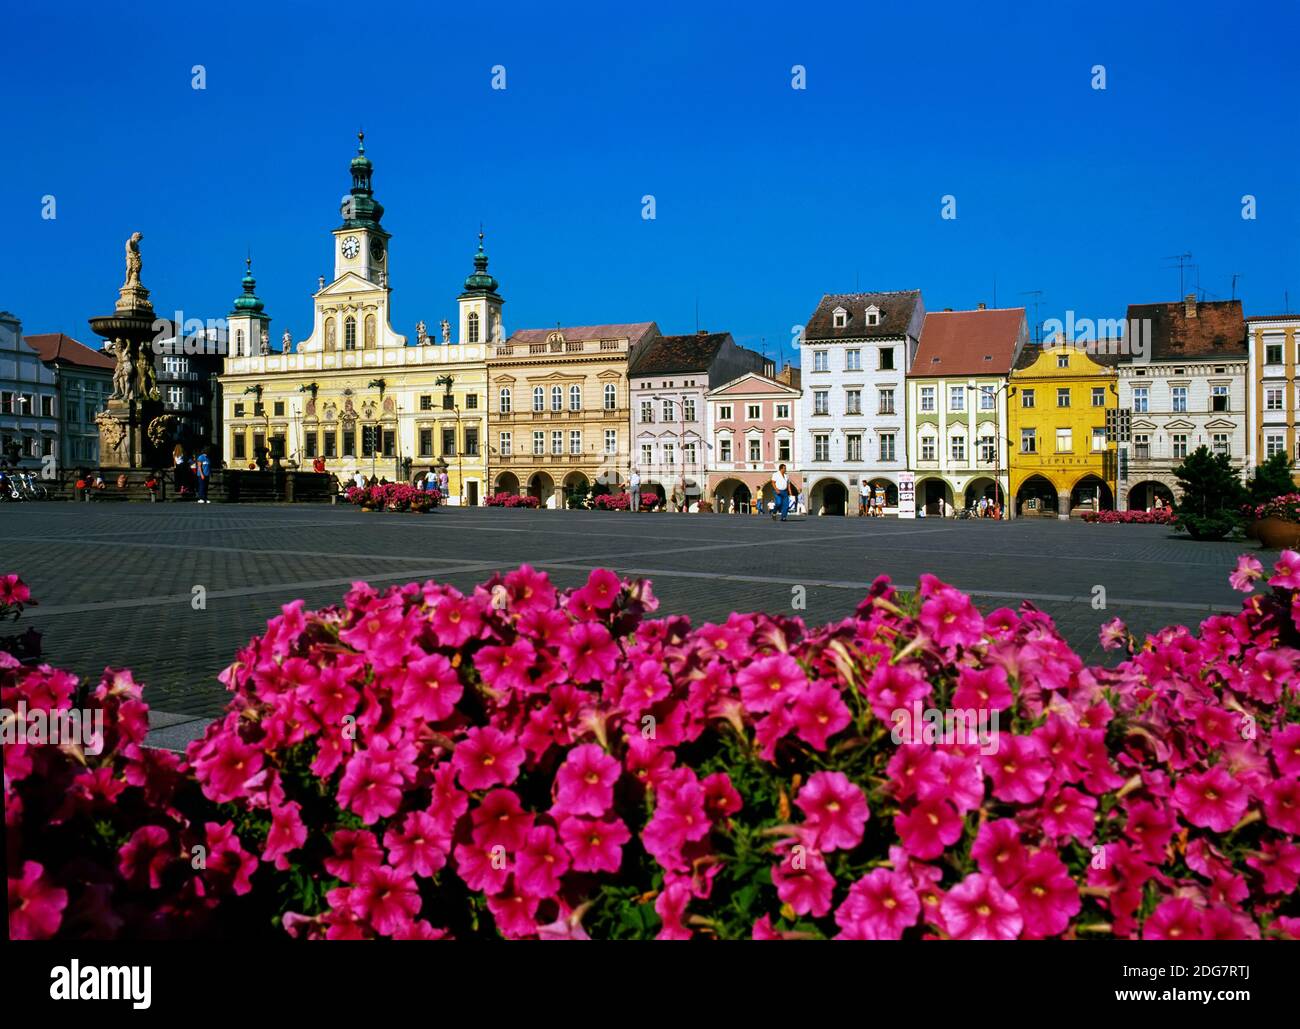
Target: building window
(821, 446)
(927, 399)
(611, 439)
(47, 406)
(1274, 445)
(783, 449)
(887, 447)
(873, 316)
(240, 446)
(1063, 396)
(853, 447)
(539, 443)
(1178, 396)
(821, 361)
(1218, 398)
(956, 398)
(957, 448)
(1180, 445)
(611, 401)
(557, 443)
(1273, 353)
(928, 448)
(987, 452)
(471, 327)
(350, 333)
(753, 412)
(471, 441)
(886, 359)
(1219, 443)
(841, 319)
(668, 410)
(987, 393)
(1273, 399)
(449, 442)
(448, 402)
(1064, 441)
(309, 444)
(724, 450)
(853, 401)
(1029, 441)
(821, 404)
(1027, 398)
(504, 444)
(755, 451)
(575, 441)
(1098, 396)
(648, 456)
(426, 442)
(504, 400)
(688, 409)
(328, 438)
(853, 360)
(1141, 399)
(724, 412)
(783, 412)
(277, 408)
(575, 397)
(886, 401)
(426, 402)
(1098, 439)
(539, 399)
(647, 411)
(557, 398)
(471, 401)
(239, 343)
(1063, 360)
(1142, 447)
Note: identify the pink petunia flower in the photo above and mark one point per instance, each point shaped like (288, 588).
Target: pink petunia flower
(1285, 748)
(541, 863)
(35, 904)
(420, 846)
(978, 908)
(1212, 799)
(1286, 573)
(388, 899)
(947, 615)
(769, 682)
(145, 855)
(1019, 769)
(999, 851)
(880, 906)
(431, 690)
(1245, 574)
(501, 821)
(802, 881)
(371, 785)
(1282, 805)
(287, 834)
(595, 846)
(982, 689)
(836, 810)
(487, 757)
(589, 652)
(927, 827)
(819, 712)
(356, 852)
(1175, 919)
(585, 782)
(1048, 898)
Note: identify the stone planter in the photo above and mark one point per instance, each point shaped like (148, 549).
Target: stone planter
(1278, 533)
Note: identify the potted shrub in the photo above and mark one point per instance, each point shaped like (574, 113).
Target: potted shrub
(1212, 495)
(1271, 479)
(1277, 522)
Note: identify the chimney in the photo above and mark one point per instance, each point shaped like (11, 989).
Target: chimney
(769, 369)
(701, 332)
(1189, 305)
(948, 309)
(981, 306)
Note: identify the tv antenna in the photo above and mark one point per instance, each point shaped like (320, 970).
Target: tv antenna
(1037, 294)
(1184, 261)
(1235, 277)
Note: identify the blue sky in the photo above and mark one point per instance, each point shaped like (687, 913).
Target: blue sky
(766, 196)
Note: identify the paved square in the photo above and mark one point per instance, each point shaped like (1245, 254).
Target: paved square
(115, 582)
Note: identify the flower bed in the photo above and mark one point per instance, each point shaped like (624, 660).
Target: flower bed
(1286, 507)
(1162, 516)
(623, 501)
(393, 496)
(512, 500)
(527, 762)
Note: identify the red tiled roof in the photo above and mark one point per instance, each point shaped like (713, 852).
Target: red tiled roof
(979, 342)
(663, 355)
(1217, 330)
(55, 346)
(632, 332)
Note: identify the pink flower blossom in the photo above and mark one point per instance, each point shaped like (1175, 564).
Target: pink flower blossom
(419, 847)
(999, 851)
(836, 810)
(880, 906)
(541, 863)
(1019, 769)
(35, 904)
(387, 899)
(501, 821)
(1175, 919)
(589, 652)
(487, 757)
(802, 881)
(596, 846)
(819, 713)
(1245, 574)
(978, 908)
(371, 785)
(927, 827)
(770, 681)
(1212, 799)
(585, 782)
(1048, 898)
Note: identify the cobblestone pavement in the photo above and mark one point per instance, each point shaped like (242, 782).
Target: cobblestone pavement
(115, 583)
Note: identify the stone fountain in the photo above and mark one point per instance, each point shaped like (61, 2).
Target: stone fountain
(134, 433)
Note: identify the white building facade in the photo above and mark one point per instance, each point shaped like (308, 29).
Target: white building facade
(29, 400)
(856, 352)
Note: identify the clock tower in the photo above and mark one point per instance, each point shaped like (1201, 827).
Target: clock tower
(360, 245)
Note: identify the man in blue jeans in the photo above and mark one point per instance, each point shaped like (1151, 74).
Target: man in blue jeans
(204, 472)
(781, 487)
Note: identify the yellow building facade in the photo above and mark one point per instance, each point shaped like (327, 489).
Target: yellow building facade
(357, 394)
(1060, 458)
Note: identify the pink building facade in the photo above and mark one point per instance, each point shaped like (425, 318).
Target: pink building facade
(752, 426)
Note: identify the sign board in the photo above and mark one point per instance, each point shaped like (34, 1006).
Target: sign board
(906, 494)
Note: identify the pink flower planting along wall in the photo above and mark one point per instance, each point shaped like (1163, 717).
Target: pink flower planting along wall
(525, 762)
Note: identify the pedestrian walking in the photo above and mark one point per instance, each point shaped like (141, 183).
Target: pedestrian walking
(178, 467)
(781, 487)
(634, 494)
(203, 465)
(864, 498)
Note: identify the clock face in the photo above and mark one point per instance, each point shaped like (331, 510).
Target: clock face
(376, 250)
(351, 247)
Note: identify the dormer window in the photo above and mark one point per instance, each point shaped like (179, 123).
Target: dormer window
(841, 318)
(873, 315)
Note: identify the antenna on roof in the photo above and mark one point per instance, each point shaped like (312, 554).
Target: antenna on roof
(995, 289)
(1183, 261)
(1235, 277)
(1037, 294)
